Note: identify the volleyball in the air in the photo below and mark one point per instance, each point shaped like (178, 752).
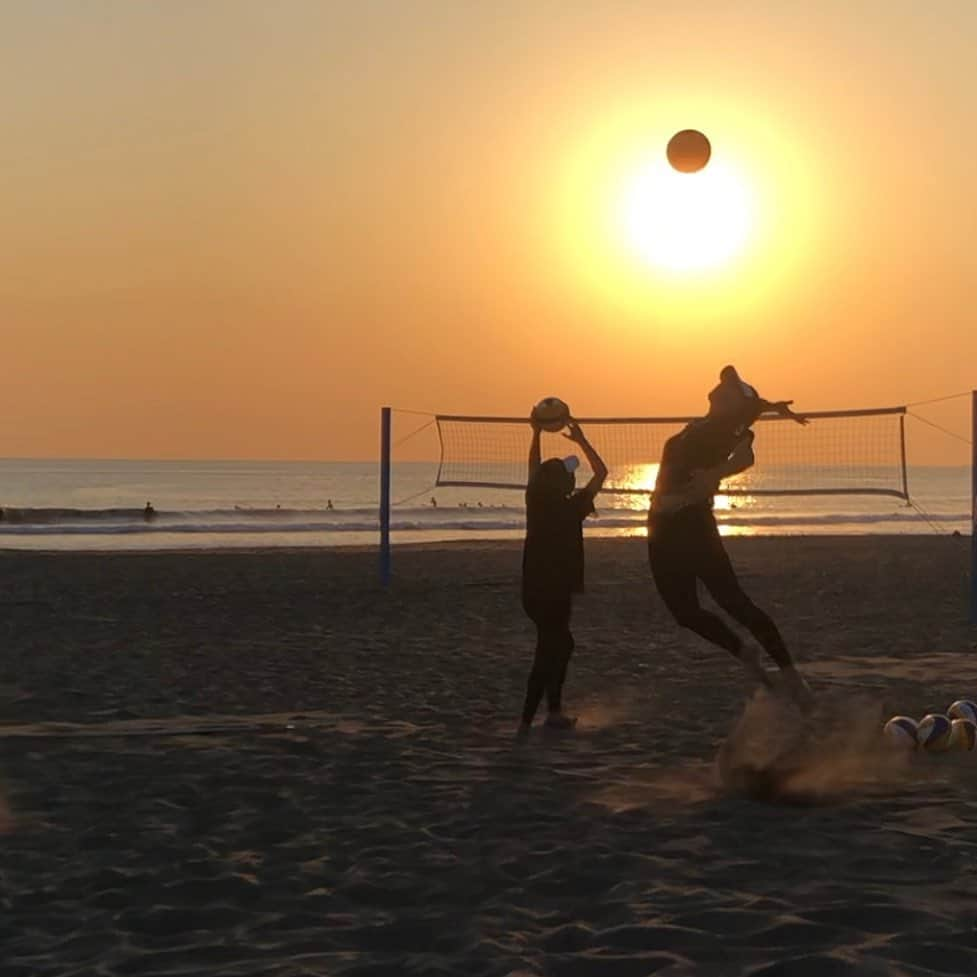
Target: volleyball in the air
(551, 414)
(688, 151)
(900, 732)
(963, 734)
(934, 732)
(963, 709)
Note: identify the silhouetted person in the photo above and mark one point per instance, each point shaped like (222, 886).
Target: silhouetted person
(328, 503)
(434, 502)
(149, 513)
(553, 568)
(684, 545)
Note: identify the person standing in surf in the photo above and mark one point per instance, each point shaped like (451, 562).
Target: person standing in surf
(684, 545)
(553, 568)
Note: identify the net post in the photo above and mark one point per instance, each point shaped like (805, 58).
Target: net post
(902, 457)
(437, 480)
(384, 496)
(973, 507)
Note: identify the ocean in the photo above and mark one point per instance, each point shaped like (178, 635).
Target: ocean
(99, 505)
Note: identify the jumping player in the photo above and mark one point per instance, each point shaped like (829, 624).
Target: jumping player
(684, 545)
(553, 568)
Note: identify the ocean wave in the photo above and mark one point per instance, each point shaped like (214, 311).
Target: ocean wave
(20, 515)
(423, 514)
(109, 521)
(842, 518)
(46, 516)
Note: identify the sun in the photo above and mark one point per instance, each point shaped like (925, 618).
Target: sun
(686, 222)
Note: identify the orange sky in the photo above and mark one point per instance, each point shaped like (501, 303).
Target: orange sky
(235, 229)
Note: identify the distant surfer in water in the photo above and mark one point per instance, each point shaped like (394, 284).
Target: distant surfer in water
(684, 545)
(149, 513)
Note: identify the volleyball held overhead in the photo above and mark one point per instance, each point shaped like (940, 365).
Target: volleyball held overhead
(551, 414)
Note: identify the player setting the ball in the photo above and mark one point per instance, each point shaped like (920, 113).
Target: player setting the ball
(684, 545)
(553, 558)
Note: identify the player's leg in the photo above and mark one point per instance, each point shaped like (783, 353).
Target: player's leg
(674, 560)
(536, 683)
(560, 649)
(719, 578)
(717, 573)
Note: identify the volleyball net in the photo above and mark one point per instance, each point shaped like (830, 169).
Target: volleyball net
(850, 452)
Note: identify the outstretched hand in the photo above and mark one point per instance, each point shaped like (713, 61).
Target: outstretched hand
(574, 433)
(782, 407)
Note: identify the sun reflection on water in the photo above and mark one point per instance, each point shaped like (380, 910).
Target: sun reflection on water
(639, 481)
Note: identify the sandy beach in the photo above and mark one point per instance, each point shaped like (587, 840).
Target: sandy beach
(258, 763)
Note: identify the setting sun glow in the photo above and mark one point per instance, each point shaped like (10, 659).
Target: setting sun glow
(685, 222)
(301, 211)
(683, 250)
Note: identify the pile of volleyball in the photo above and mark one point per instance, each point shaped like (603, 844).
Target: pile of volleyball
(937, 732)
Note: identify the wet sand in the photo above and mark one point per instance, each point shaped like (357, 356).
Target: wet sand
(260, 764)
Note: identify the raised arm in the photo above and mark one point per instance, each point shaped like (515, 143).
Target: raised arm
(740, 459)
(534, 456)
(595, 461)
(706, 481)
